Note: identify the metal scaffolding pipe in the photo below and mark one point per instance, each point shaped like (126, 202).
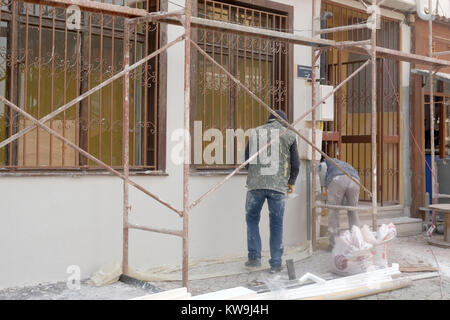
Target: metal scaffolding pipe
(360, 208)
(342, 28)
(434, 189)
(442, 53)
(187, 142)
(177, 233)
(126, 142)
(93, 6)
(314, 58)
(373, 58)
(155, 16)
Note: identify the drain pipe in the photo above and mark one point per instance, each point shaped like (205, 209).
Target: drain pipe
(420, 9)
(323, 25)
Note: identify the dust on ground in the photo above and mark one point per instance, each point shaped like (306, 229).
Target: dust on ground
(406, 251)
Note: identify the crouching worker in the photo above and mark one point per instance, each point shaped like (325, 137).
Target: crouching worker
(341, 190)
(271, 175)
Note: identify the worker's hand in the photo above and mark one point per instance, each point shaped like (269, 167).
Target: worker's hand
(291, 188)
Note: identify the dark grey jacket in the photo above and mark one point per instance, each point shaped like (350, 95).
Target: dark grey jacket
(333, 171)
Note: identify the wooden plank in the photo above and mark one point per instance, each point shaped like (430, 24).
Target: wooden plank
(364, 291)
(441, 207)
(417, 268)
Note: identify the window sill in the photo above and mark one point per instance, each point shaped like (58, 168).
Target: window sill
(76, 173)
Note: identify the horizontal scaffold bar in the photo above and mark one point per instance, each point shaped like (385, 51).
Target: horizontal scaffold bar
(94, 6)
(178, 233)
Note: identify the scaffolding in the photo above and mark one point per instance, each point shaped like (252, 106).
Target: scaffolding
(184, 18)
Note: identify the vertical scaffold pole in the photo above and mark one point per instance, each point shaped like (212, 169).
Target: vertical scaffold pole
(314, 28)
(373, 57)
(125, 142)
(434, 189)
(187, 144)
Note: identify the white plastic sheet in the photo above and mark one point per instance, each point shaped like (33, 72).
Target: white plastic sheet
(362, 250)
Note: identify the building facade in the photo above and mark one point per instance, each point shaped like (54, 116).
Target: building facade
(61, 209)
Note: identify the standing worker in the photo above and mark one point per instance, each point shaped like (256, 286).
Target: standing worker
(270, 178)
(341, 190)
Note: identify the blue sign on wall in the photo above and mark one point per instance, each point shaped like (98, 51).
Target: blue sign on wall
(304, 72)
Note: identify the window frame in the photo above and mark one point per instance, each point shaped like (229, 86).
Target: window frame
(13, 95)
(263, 5)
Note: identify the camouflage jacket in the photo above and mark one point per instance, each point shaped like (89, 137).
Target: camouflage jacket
(278, 165)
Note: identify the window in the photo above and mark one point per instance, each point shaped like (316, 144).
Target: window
(260, 64)
(53, 65)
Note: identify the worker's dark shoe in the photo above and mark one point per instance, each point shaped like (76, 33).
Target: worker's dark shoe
(275, 269)
(253, 263)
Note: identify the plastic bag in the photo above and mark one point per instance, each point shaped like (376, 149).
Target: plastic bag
(108, 274)
(384, 234)
(351, 254)
(362, 250)
(368, 235)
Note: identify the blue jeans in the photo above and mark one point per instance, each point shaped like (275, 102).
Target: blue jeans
(253, 206)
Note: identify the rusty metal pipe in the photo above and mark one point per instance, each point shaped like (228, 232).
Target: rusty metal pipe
(313, 130)
(155, 16)
(93, 6)
(342, 28)
(359, 208)
(434, 187)
(187, 143)
(157, 230)
(126, 141)
(441, 53)
(373, 59)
